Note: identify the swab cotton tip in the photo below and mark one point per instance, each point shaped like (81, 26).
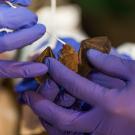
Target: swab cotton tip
(10, 4)
(58, 39)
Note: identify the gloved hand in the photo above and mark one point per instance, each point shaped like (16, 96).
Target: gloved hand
(23, 22)
(113, 112)
(51, 91)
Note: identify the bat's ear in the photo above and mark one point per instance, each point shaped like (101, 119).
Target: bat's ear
(41, 58)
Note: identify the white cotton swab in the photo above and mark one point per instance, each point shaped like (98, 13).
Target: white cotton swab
(61, 41)
(58, 39)
(53, 8)
(53, 13)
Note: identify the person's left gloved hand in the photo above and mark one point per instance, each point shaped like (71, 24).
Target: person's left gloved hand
(51, 91)
(113, 112)
(23, 22)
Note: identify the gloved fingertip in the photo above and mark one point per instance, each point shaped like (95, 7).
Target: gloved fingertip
(37, 69)
(49, 90)
(49, 84)
(48, 62)
(42, 29)
(92, 53)
(29, 98)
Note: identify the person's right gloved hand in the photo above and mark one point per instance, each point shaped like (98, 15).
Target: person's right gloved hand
(23, 22)
(114, 109)
(50, 91)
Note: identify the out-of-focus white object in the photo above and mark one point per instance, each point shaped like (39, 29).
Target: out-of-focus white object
(127, 49)
(67, 21)
(67, 24)
(8, 114)
(53, 13)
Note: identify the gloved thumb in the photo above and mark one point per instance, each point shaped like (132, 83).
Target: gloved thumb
(110, 64)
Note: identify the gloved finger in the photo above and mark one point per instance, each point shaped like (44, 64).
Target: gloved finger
(65, 100)
(16, 18)
(106, 81)
(110, 65)
(78, 86)
(21, 2)
(12, 69)
(51, 91)
(63, 119)
(21, 38)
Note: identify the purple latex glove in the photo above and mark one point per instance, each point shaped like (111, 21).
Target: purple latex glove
(22, 2)
(113, 112)
(106, 81)
(50, 91)
(23, 22)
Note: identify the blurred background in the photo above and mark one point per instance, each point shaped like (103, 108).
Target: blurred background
(77, 19)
